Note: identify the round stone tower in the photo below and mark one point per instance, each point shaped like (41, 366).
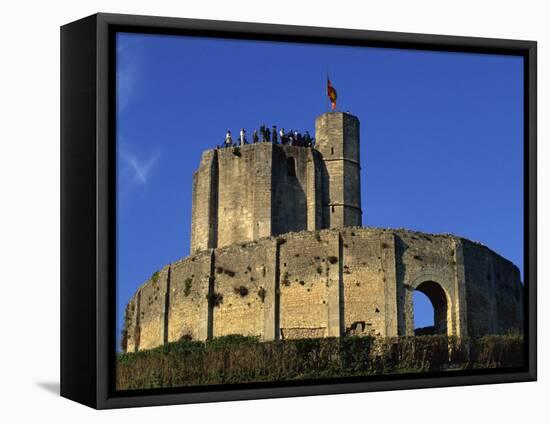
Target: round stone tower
(337, 139)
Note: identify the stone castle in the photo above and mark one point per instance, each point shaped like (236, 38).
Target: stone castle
(278, 252)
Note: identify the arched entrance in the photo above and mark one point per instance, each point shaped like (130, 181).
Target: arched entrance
(438, 300)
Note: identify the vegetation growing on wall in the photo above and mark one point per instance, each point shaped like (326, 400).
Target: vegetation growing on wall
(262, 293)
(187, 288)
(241, 290)
(228, 272)
(215, 299)
(124, 339)
(285, 279)
(240, 359)
(281, 241)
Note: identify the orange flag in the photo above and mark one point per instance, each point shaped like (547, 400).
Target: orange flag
(331, 92)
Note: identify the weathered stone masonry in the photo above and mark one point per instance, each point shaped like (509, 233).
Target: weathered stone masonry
(277, 252)
(266, 189)
(352, 281)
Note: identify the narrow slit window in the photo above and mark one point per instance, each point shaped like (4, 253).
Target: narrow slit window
(291, 165)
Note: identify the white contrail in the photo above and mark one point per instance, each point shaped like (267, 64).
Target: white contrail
(142, 169)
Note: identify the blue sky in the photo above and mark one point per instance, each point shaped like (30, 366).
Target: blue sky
(441, 136)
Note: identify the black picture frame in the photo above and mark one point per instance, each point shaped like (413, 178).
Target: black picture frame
(88, 207)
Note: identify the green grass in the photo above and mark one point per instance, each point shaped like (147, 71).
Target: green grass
(240, 359)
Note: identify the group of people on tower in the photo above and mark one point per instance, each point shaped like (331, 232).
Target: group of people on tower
(265, 134)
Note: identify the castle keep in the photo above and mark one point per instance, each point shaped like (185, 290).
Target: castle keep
(277, 252)
(261, 190)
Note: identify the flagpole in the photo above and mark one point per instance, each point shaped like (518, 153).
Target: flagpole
(327, 93)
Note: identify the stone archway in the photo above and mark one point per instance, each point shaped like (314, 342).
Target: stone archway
(439, 291)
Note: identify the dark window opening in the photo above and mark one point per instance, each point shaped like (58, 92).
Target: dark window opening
(333, 209)
(332, 150)
(291, 165)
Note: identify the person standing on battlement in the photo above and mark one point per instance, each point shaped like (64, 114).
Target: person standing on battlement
(228, 139)
(242, 136)
(262, 133)
(267, 134)
(255, 136)
(282, 135)
(274, 135)
(300, 139)
(307, 139)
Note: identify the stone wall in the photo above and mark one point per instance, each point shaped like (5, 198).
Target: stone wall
(423, 258)
(259, 190)
(245, 287)
(145, 313)
(291, 167)
(244, 193)
(204, 212)
(251, 192)
(370, 302)
(494, 294)
(188, 305)
(309, 285)
(337, 136)
(338, 282)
